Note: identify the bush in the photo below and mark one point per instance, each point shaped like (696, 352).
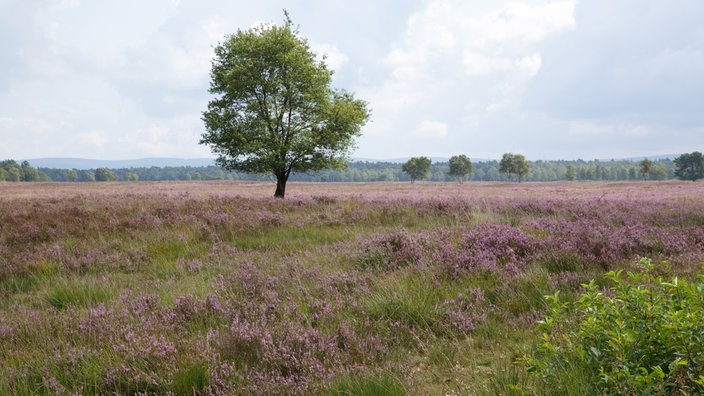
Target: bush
(643, 336)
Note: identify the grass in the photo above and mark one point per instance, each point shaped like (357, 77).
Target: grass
(216, 288)
(79, 292)
(367, 385)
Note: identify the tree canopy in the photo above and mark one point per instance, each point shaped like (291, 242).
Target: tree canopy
(514, 164)
(275, 111)
(689, 166)
(646, 166)
(417, 168)
(460, 166)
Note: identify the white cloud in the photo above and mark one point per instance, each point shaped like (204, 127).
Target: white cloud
(528, 66)
(70, 3)
(519, 23)
(431, 129)
(335, 59)
(462, 61)
(558, 78)
(588, 128)
(95, 138)
(478, 64)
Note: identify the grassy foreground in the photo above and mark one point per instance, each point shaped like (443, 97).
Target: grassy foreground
(343, 289)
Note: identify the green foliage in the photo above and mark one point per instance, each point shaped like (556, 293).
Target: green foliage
(571, 173)
(365, 171)
(417, 168)
(275, 111)
(642, 336)
(104, 174)
(514, 164)
(460, 166)
(646, 166)
(689, 166)
(29, 173)
(11, 171)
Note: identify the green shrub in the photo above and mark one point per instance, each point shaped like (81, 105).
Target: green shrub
(644, 335)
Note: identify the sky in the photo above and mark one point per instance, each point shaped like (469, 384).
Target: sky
(561, 79)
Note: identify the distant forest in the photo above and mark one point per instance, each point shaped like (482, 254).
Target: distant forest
(358, 171)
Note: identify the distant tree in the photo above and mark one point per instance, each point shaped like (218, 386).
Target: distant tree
(276, 112)
(689, 166)
(658, 172)
(72, 175)
(460, 166)
(131, 176)
(88, 176)
(571, 173)
(514, 164)
(29, 173)
(646, 166)
(417, 168)
(104, 174)
(14, 174)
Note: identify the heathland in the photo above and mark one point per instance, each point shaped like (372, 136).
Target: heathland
(368, 288)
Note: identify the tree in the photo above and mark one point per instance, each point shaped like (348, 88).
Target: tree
(571, 173)
(514, 164)
(88, 176)
(274, 110)
(460, 166)
(689, 166)
(14, 174)
(658, 172)
(104, 174)
(131, 176)
(72, 175)
(646, 166)
(417, 168)
(29, 173)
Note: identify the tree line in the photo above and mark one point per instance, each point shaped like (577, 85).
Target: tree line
(459, 168)
(688, 166)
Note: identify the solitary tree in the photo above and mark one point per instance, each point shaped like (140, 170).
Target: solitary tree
(460, 166)
(417, 168)
(275, 111)
(646, 166)
(689, 166)
(514, 164)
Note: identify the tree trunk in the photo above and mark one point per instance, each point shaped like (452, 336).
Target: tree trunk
(281, 179)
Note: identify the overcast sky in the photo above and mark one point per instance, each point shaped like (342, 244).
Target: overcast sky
(109, 79)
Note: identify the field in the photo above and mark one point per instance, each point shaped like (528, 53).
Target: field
(344, 289)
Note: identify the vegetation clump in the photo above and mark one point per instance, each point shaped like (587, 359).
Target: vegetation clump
(641, 336)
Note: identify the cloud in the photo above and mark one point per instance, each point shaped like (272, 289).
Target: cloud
(464, 62)
(626, 58)
(431, 129)
(558, 79)
(95, 138)
(335, 59)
